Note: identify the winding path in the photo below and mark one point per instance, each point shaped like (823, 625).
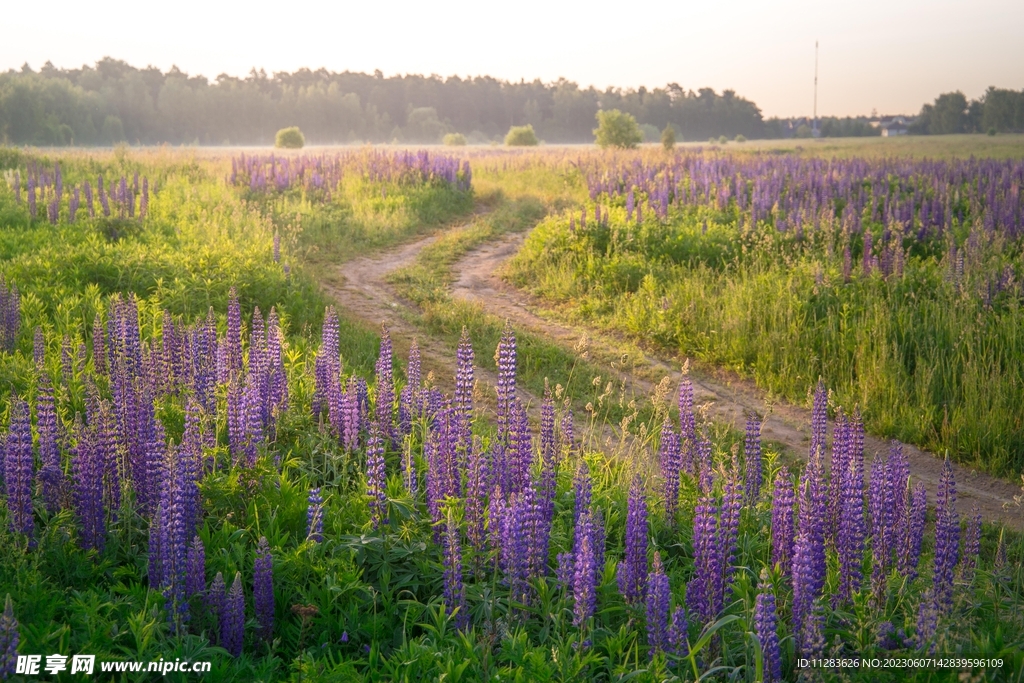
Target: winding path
(725, 396)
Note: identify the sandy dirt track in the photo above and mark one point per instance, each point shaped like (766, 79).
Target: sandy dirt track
(361, 290)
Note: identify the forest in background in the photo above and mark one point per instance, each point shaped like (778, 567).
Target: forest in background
(113, 102)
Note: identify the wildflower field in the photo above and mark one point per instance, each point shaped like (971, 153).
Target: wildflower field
(206, 459)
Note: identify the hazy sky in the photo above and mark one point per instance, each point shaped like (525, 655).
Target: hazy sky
(890, 55)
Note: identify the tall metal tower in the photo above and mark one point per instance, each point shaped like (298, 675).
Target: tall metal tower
(814, 129)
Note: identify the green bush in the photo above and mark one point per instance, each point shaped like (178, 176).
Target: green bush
(617, 129)
(290, 138)
(722, 140)
(992, 131)
(741, 138)
(455, 139)
(521, 136)
(668, 138)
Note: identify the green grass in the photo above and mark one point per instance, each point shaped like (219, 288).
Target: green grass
(379, 614)
(928, 360)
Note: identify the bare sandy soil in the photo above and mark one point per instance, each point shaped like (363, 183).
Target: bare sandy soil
(725, 396)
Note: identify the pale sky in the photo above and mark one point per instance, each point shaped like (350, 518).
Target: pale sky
(890, 55)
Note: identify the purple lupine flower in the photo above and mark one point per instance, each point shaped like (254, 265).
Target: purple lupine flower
(18, 470)
(143, 203)
(506, 357)
(195, 579)
(463, 399)
(707, 564)
(454, 590)
(678, 642)
(376, 481)
(327, 362)
(217, 604)
(972, 545)
(819, 419)
(927, 621)
(50, 473)
(728, 536)
(567, 432)
(632, 571)
(658, 596)
(277, 247)
(687, 424)
(515, 475)
(841, 453)
(9, 640)
(809, 554)
(384, 406)
(782, 523)
(263, 589)
(315, 516)
(87, 487)
(477, 487)
(87, 190)
(910, 552)
(515, 542)
(410, 403)
(752, 456)
(350, 419)
(232, 626)
(850, 535)
(703, 464)
(766, 627)
(585, 574)
(670, 455)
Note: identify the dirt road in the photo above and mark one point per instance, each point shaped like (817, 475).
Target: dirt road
(726, 397)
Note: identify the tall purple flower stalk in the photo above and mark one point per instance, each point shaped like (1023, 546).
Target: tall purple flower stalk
(327, 364)
(87, 486)
(766, 627)
(585, 572)
(315, 516)
(700, 593)
(232, 626)
(18, 470)
(819, 419)
(782, 522)
(217, 604)
(263, 589)
(910, 551)
(9, 640)
(384, 407)
(454, 590)
(632, 571)
(506, 358)
(376, 481)
(410, 401)
(51, 476)
(752, 456)
(671, 458)
(850, 537)
(463, 399)
(658, 597)
(195, 580)
(477, 489)
(809, 553)
(687, 425)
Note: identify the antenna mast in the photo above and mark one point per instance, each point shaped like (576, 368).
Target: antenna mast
(815, 88)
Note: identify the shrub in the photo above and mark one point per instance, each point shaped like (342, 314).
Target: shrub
(617, 129)
(668, 138)
(741, 138)
(521, 136)
(289, 138)
(650, 133)
(455, 139)
(991, 131)
(722, 139)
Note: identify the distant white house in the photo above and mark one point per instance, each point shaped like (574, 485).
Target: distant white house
(897, 125)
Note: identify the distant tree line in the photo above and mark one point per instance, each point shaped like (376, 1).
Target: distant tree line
(997, 111)
(114, 101)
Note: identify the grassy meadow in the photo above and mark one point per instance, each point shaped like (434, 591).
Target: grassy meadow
(204, 461)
